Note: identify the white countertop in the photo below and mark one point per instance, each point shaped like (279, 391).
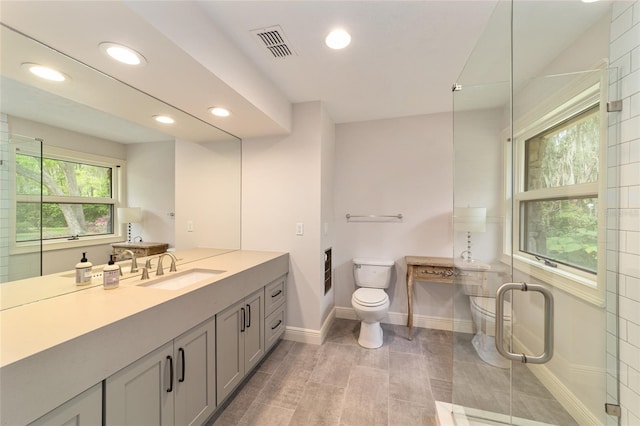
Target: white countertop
(77, 329)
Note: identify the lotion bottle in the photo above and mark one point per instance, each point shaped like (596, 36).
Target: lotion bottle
(111, 275)
(83, 271)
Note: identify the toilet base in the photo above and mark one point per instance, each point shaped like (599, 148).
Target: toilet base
(485, 346)
(370, 335)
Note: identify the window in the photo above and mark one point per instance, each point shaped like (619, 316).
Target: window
(79, 196)
(554, 189)
(559, 204)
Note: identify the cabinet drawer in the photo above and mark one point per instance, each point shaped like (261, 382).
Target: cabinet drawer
(274, 295)
(274, 327)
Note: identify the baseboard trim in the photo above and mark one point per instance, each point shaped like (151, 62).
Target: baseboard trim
(317, 337)
(563, 394)
(421, 321)
(306, 335)
(302, 335)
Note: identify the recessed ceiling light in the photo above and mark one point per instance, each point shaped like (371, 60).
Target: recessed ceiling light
(44, 72)
(338, 39)
(589, 1)
(123, 54)
(220, 112)
(164, 119)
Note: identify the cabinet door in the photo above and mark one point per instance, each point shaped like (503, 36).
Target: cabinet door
(229, 349)
(83, 410)
(195, 397)
(142, 393)
(254, 329)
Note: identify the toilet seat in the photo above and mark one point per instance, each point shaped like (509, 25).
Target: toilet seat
(370, 297)
(486, 306)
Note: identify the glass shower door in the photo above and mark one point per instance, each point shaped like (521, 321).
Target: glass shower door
(513, 223)
(533, 206)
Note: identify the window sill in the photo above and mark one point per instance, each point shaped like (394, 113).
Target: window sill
(575, 285)
(23, 248)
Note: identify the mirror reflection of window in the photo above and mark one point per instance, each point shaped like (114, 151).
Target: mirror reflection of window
(77, 198)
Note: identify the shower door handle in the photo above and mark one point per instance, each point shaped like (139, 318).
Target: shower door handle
(548, 323)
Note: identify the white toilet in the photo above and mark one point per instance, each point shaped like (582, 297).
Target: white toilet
(482, 302)
(483, 311)
(370, 301)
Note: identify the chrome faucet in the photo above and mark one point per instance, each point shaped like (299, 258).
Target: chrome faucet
(172, 268)
(134, 262)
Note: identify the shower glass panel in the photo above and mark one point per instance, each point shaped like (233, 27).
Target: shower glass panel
(534, 157)
(520, 217)
(21, 187)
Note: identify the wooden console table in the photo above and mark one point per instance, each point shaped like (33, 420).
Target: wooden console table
(439, 270)
(421, 268)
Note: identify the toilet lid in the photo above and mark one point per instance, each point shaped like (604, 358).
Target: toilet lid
(370, 297)
(487, 306)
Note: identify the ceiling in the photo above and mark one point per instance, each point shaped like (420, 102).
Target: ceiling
(403, 57)
(402, 61)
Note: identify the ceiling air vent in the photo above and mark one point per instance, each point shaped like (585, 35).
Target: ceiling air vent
(275, 41)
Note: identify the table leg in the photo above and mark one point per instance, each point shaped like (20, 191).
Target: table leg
(410, 301)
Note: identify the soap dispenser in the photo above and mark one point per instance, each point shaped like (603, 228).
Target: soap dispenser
(111, 274)
(83, 271)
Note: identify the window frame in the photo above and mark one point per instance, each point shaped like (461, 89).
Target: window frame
(118, 186)
(583, 93)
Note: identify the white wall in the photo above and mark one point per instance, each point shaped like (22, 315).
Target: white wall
(478, 179)
(151, 186)
(282, 185)
(328, 153)
(207, 194)
(63, 138)
(625, 55)
(393, 166)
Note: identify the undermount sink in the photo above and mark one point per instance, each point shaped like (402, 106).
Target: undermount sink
(179, 280)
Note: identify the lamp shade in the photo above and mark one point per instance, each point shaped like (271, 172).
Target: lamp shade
(130, 214)
(470, 219)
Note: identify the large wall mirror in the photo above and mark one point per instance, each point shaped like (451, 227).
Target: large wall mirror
(185, 177)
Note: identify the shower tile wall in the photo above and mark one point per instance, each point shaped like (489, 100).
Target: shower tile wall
(4, 199)
(625, 54)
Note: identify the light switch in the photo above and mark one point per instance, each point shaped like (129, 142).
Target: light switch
(189, 226)
(299, 228)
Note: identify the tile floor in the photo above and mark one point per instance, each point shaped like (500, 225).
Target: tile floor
(341, 383)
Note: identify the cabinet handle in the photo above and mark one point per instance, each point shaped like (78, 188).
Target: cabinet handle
(170, 373)
(277, 325)
(242, 321)
(249, 312)
(181, 352)
(277, 293)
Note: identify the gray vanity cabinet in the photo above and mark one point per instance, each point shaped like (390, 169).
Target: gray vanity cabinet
(175, 384)
(83, 410)
(240, 341)
(275, 311)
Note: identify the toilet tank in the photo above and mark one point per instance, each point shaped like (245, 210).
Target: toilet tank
(372, 273)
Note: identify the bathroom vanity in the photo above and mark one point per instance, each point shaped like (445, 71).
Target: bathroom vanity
(132, 354)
